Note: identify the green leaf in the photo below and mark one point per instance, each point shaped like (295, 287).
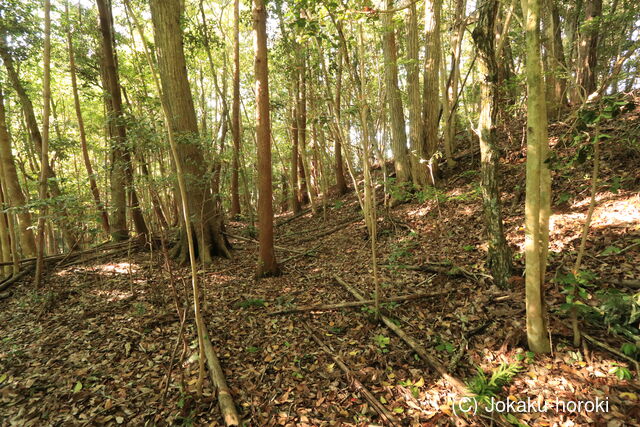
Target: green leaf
(77, 387)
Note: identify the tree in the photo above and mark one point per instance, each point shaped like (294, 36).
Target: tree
(44, 152)
(95, 192)
(499, 257)
(394, 99)
(121, 169)
(14, 192)
(207, 226)
(588, 48)
(235, 111)
(538, 185)
(267, 265)
(430, 98)
(36, 137)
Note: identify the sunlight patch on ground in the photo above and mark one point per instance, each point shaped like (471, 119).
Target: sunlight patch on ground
(120, 268)
(566, 227)
(112, 295)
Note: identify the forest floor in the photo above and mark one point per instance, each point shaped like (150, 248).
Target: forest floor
(95, 348)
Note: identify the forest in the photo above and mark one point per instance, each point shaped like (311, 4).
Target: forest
(319, 212)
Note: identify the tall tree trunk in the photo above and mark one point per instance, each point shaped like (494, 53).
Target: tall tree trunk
(207, 226)
(538, 185)
(15, 195)
(44, 154)
(36, 138)
(235, 111)
(499, 257)
(394, 99)
(341, 182)
(302, 129)
(267, 265)
(557, 86)
(295, 190)
(5, 234)
(431, 97)
(113, 102)
(451, 90)
(588, 48)
(104, 217)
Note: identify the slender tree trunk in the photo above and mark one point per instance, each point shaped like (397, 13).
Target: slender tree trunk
(295, 190)
(588, 48)
(394, 99)
(431, 96)
(44, 155)
(499, 257)
(341, 182)
(235, 111)
(104, 217)
(267, 265)
(538, 185)
(117, 129)
(5, 233)
(451, 90)
(302, 130)
(414, 101)
(36, 137)
(207, 226)
(14, 191)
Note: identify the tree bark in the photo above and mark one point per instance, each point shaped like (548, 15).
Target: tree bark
(267, 265)
(431, 100)
(118, 135)
(44, 152)
(588, 48)
(341, 182)
(538, 185)
(15, 195)
(394, 99)
(36, 137)
(207, 225)
(235, 112)
(104, 217)
(499, 257)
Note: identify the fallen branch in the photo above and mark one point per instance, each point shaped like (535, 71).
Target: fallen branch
(225, 401)
(431, 361)
(348, 304)
(357, 385)
(16, 277)
(441, 268)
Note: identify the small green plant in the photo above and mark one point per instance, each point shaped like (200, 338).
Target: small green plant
(528, 357)
(389, 305)
(382, 342)
(622, 372)
(575, 287)
(251, 302)
(484, 388)
(611, 250)
(468, 248)
(629, 349)
(444, 345)
(252, 349)
(139, 309)
(250, 231)
(338, 204)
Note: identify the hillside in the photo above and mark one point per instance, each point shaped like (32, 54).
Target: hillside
(97, 347)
